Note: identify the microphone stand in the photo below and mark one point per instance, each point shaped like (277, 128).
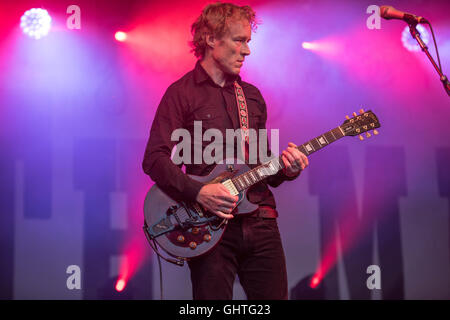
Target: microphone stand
(416, 35)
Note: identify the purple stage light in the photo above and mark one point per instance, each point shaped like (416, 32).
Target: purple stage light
(36, 23)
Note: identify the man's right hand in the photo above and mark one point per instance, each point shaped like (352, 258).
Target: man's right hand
(217, 199)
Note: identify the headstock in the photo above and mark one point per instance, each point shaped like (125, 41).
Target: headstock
(358, 124)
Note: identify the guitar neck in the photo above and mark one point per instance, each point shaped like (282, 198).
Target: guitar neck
(251, 177)
(321, 141)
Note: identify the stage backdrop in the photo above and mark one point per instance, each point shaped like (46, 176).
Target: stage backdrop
(76, 108)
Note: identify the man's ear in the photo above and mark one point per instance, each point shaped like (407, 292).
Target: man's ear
(210, 40)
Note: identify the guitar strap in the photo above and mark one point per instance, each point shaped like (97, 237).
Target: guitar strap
(243, 118)
(262, 211)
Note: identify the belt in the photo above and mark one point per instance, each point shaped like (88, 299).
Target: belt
(263, 212)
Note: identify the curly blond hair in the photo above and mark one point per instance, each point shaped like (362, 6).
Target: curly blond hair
(213, 21)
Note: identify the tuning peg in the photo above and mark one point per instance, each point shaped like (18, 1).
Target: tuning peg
(354, 114)
(368, 135)
(361, 111)
(361, 137)
(347, 117)
(375, 132)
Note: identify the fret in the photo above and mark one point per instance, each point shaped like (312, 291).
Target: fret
(241, 179)
(250, 177)
(253, 173)
(275, 164)
(241, 183)
(271, 168)
(303, 150)
(256, 174)
(309, 148)
(322, 140)
(338, 132)
(260, 172)
(316, 144)
(244, 184)
(247, 178)
(280, 164)
(238, 182)
(330, 137)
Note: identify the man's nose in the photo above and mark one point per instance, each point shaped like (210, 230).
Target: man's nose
(245, 49)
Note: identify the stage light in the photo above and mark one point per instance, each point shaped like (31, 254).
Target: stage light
(36, 23)
(321, 46)
(308, 45)
(410, 43)
(315, 281)
(120, 285)
(120, 36)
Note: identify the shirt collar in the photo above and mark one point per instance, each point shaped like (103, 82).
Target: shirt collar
(200, 75)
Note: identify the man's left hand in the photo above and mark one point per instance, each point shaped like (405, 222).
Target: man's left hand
(294, 160)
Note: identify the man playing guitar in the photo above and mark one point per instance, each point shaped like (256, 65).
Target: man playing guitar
(251, 245)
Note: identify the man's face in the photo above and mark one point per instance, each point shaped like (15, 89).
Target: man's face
(229, 52)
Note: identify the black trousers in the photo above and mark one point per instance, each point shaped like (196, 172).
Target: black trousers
(251, 248)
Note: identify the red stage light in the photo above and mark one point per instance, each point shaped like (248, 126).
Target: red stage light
(315, 281)
(120, 285)
(120, 36)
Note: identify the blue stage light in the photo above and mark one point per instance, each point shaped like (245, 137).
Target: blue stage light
(36, 23)
(410, 43)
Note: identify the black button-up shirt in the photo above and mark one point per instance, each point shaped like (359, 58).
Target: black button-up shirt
(196, 97)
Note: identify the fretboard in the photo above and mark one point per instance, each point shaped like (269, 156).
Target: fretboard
(255, 175)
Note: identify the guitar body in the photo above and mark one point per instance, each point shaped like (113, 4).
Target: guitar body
(186, 230)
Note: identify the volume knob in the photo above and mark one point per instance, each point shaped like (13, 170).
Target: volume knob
(192, 245)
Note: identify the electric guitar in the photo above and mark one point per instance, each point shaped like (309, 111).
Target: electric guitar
(186, 230)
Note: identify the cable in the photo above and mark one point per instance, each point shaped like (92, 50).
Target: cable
(154, 246)
(435, 46)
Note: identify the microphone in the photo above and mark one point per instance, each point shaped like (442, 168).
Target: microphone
(388, 12)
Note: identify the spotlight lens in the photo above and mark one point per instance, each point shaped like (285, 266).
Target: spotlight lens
(120, 285)
(120, 36)
(310, 45)
(36, 23)
(306, 45)
(410, 43)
